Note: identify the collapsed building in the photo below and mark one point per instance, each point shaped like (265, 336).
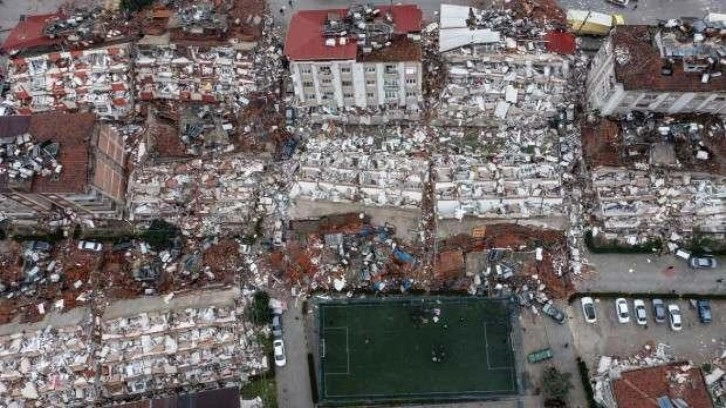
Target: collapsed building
(56, 164)
(363, 57)
(676, 67)
(657, 176)
(96, 80)
(501, 68)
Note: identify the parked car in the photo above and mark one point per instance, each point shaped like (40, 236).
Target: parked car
(277, 326)
(674, 315)
(703, 262)
(704, 311)
(279, 347)
(588, 309)
(552, 311)
(641, 316)
(41, 246)
(621, 3)
(621, 309)
(539, 355)
(90, 246)
(659, 310)
(290, 116)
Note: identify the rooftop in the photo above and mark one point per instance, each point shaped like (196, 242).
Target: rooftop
(679, 65)
(72, 132)
(643, 387)
(30, 33)
(306, 40)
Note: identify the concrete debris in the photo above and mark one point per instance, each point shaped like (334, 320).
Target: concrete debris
(97, 80)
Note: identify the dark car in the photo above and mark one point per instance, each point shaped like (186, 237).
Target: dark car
(659, 310)
(41, 246)
(276, 326)
(553, 312)
(704, 311)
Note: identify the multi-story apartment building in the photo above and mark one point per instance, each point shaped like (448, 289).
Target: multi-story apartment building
(361, 57)
(60, 161)
(676, 68)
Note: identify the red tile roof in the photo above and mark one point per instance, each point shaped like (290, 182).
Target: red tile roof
(641, 388)
(305, 41)
(29, 33)
(73, 132)
(561, 43)
(643, 69)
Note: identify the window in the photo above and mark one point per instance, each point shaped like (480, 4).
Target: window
(326, 81)
(306, 70)
(308, 84)
(391, 95)
(410, 71)
(345, 70)
(369, 95)
(390, 84)
(347, 95)
(328, 95)
(310, 96)
(411, 81)
(370, 82)
(411, 94)
(370, 69)
(347, 83)
(325, 70)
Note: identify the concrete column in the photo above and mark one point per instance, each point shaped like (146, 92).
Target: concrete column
(379, 83)
(337, 86)
(359, 84)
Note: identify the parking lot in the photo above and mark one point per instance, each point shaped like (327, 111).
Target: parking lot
(697, 342)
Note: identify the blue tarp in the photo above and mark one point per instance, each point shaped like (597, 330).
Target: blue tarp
(404, 256)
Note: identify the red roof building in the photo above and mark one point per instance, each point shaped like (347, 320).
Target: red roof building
(306, 42)
(646, 386)
(29, 33)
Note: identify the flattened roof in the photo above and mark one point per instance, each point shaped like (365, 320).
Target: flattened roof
(305, 41)
(29, 33)
(643, 67)
(73, 132)
(641, 388)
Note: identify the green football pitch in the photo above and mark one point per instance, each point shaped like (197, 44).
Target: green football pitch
(393, 349)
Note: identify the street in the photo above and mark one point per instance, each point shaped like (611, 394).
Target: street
(293, 380)
(649, 11)
(643, 273)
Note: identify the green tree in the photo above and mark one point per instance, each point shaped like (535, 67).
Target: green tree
(161, 235)
(134, 5)
(556, 385)
(260, 308)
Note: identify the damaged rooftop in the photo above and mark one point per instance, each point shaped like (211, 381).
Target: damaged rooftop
(681, 57)
(324, 35)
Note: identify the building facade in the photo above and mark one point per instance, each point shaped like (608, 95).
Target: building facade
(361, 57)
(676, 70)
(74, 165)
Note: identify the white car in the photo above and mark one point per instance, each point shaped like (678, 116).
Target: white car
(641, 316)
(621, 308)
(674, 315)
(90, 246)
(588, 309)
(279, 347)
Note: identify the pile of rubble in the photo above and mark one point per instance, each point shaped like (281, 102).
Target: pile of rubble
(155, 352)
(97, 80)
(666, 171)
(498, 69)
(21, 159)
(195, 73)
(201, 196)
(52, 367)
(373, 169)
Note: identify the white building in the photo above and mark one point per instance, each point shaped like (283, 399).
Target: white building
(671, 70)
(361, 57)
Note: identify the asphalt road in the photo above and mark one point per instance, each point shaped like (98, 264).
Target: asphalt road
(640, 273)
(293, 380)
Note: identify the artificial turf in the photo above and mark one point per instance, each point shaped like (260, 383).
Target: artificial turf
(383, 349)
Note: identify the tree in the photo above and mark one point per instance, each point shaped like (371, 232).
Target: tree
(134, 5)
(160, 235)
(260, 308)
(556, 385)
